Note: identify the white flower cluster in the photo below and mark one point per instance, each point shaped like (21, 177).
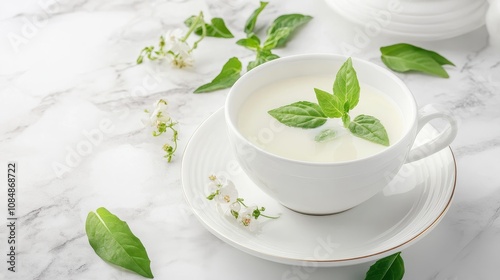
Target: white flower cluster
(160, 120)
(224, 192)
(178, 50)
(172, 47)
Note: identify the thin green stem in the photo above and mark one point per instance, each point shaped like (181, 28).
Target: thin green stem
(240, 200)
(203, 34)
(269, 217)
(174, 139)
(194, 26)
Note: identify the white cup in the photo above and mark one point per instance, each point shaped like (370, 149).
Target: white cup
(327, 188)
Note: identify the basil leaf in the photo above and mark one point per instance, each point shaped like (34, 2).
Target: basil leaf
(274, 38)
(388, 268)
(113, 241)
(262, 57)
(330, 104)
(369, 128)
(325, 135)
(406, 57)
(302, 114)
(250, 24)
(346, 120)
(290, 21)
(346, 86)
(252, 42)
(229, 74)
(402, 47)
(217, 29)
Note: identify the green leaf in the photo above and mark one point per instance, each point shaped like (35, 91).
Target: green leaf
(217, 29)
(402, 47)
(290, 21)
(388, 268)
(229, 74)
(235, 214)
(262, 57)
(406, 57)
(369, 128)
(250, 24)
(346, 85)
(274, 38)
(252, 42)
(325, 135)
(330, 104)
(302, 114)
(114, 242)
(346, 120)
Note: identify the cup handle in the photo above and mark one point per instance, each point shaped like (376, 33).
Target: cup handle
(444, 139)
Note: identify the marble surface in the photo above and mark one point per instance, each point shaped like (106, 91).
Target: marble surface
(67, 70)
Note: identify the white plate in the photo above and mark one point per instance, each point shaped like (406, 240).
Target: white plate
(407, 209)
(421, 20)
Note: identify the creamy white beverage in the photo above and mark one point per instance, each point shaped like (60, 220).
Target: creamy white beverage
(262, 129)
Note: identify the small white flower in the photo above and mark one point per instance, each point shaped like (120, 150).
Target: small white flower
(159, 114)
(223, 180)
(180, 51)
(227, 194)
(212, 187)
(235, 206)
(247, 219)
(172, 37)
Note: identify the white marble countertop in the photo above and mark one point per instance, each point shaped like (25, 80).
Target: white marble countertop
(71, 70)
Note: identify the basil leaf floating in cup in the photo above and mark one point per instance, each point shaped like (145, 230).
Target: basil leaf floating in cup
(369, 128)
(388, 268)
(325, 135)
(303, 114)
(114, 242)
(405, 57)
(345, 96)
(329, 103)
(346, 86)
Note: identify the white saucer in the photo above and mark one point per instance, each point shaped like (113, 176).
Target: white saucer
(407, 209)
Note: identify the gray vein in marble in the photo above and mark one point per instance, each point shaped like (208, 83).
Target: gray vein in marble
(476, 148)
(66, 242)
(464, 250)
(41, 274)
(49, 13)
(33, 214)
(45, 103)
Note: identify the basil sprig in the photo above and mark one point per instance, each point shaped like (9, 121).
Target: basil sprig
(277, 34)
(405, 57)
(388, 268)
(113, 241)
(216, 29)
(345, 97)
